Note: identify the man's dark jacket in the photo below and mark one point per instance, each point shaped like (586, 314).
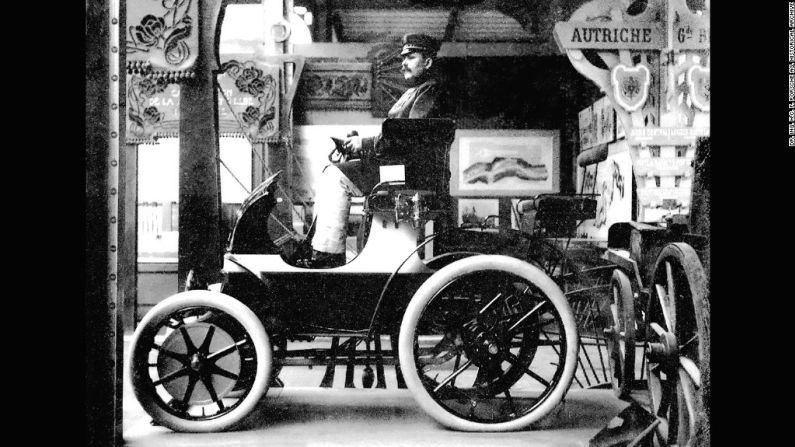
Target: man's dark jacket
(421, 101)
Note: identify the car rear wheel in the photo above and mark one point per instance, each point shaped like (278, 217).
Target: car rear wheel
(488, 343)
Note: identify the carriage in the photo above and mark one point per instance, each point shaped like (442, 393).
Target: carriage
(488, 329)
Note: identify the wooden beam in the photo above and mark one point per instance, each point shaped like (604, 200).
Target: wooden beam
(199, 171)
(103, 339)
(360, 50)
(128, 235)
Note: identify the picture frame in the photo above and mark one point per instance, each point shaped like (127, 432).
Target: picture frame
(479, 213)
(605, 121)
(586, 126)
(505, 162)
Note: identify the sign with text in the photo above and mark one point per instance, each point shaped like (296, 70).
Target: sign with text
(691, 32)
(661, 166)
(666, 136)
(577, 35)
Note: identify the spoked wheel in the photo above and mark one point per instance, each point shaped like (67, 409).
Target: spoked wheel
(249, 371)
(545, 255)
(621, 334)
(488, 343)
(678, 347)
(200, 362)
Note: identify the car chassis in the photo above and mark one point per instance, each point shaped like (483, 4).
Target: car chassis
(481, 330)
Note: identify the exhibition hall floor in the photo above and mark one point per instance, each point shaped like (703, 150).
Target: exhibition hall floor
(303, 414)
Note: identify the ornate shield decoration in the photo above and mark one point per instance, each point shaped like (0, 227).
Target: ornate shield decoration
(698, 82)
(254, 98)
(630, 86)
(162, 37)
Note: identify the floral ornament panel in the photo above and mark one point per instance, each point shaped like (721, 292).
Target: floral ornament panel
(337, 86)
(253, 92)
(162, 37)
(152, 108)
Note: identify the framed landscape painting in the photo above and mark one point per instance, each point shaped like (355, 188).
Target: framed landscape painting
(505, 162)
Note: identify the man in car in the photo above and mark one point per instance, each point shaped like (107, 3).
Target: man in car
(338, 182)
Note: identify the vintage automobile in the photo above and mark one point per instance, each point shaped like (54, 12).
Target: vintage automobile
(477, 323)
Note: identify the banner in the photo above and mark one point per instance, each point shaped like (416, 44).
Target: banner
(253, 91)
(162, 37)
(248, 104)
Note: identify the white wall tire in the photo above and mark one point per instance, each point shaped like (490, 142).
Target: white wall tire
(188, 354)
(541, 304)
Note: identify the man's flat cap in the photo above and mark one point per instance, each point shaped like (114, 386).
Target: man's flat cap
(419, 42)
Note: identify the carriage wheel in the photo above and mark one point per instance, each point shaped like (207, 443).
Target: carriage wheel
(545, 255)
(200, 362)
(621, 333)
(677, 334)
(488, 343)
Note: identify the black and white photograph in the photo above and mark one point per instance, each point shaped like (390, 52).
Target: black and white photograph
(479, 213)
(398, 223)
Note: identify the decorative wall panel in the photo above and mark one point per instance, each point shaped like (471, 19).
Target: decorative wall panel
(336, 85)
(162, 37)
(254, 100)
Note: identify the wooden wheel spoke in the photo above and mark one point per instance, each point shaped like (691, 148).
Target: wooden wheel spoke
(188, 342)
(666, 309)
(455, 367)
(215, 369)
(452, 376)
(189, 390)
(510, 403)
(182, 358)
(226, 351)
(688, 406)
(526, 316)
(614, 311)
(665, 399)
(490, 303)
(205, 347)
(208, 384)
(172, 375)
(691, 369)
(658, 330)
(686, 344)
(512, 359)
(669, 276)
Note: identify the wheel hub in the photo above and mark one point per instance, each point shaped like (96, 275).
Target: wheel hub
(196, 365)
(665, 350)
(480, 345)
(197, 362)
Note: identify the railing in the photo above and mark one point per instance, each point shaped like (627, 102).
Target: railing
(155, 218)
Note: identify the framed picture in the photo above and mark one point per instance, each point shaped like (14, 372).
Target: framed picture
(505, 162)
(587, 134)
(605, 121)
(476, 213)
